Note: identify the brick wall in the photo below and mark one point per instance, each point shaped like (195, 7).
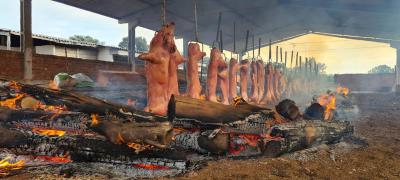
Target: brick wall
(366, 82)
(46, 66)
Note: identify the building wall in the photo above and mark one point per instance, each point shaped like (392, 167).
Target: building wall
(105, 54)
(367, 82)
(46, 49)
(45, 67)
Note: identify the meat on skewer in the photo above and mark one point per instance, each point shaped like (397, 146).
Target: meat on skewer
(175, 59)
(261, 79)
(244, 76)
(195, 55)
(254, 82)
(269, 96)
(157, 64)
(223, 80)
(212, 73)
(233, 69)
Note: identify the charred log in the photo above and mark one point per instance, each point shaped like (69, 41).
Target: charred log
(208, 112)
(288, 109)
(80, 102)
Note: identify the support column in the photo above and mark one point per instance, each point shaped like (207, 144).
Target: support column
(396, 45)
(26, 37)
(9, 41)
(132, 45)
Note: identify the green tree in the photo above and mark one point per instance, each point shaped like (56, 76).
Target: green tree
(88, 39)
(141, 44)
(381, 69)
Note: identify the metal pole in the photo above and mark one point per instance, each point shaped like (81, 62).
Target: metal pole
(221, 43)
(253, 46)
(196, 32)
(259, 47)
(234, 37)
(270, 51)
(163, 14)
(218, 27)
(247, 41)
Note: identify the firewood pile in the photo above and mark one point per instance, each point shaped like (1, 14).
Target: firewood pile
(40, 127)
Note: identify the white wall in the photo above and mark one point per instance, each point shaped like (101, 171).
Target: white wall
(46, 49)
(105, 54)
(87, 54)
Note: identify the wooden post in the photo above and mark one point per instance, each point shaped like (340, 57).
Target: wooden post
(270, 51)
(285, 58)
(276, 55)
(26, 37)
(132, 45)
(281, 54)
(291, 60)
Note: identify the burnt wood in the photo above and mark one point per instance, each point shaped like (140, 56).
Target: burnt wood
(207, 112)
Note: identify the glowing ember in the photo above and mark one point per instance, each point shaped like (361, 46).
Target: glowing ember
(48, 132)
(151, 167)
(15, 85)
(138, 147)
(53, 85)
(342, 90)
(131, 102)
(95, 120)
(65, 159)
(12, 103)
(328, 101)
(6, 167)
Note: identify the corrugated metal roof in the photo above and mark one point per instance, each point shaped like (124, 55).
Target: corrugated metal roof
(268, 19)
(61, 40)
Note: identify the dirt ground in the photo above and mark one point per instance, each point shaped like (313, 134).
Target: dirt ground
(379, 124)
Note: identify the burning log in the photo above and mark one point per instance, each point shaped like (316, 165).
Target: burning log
(208, 112)
(158, 134)
(77, 102)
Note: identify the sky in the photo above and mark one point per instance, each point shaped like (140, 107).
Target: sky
(60, 20)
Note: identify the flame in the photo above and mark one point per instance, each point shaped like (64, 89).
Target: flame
(48, 132)
(138, 147)
(131, 102)
(53, 85)
(249, 139)
(95, 120)
(342, 90)
(328, 101)
(6, 167)
(151, 167)
(65, 159)
(15, 85)
(12, 103)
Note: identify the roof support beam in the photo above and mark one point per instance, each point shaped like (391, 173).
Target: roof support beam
(26, 39)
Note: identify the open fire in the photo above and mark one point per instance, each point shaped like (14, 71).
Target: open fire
(6, 167)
